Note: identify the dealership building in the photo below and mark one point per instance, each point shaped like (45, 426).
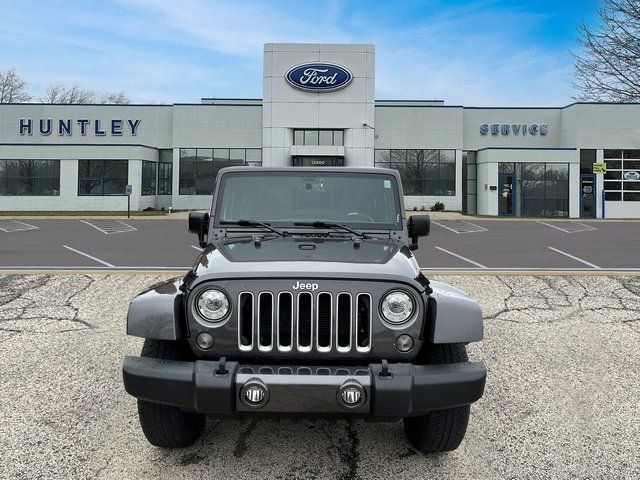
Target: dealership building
(319, 109)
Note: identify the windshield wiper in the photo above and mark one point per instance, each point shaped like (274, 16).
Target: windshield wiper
(321, 224)
(254, 223)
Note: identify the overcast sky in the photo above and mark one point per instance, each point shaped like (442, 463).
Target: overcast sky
(474, 53)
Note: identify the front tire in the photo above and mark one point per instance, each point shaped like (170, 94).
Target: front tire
(163, 425)
(439, 430)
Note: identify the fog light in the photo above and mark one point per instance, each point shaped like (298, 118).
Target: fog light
(204, 341)
(254, 393)
(404, 343)
(351, 394)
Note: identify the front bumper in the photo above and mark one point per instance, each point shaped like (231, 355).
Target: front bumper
(406, 389)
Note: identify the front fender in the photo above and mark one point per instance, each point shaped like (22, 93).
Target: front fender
(458, 317)
(157, 313)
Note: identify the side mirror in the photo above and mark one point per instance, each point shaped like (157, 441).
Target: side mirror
(418, 226)
(199, 224)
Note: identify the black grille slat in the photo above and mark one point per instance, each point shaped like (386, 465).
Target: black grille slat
(363, 321)
(304, 320)
(285, 319)
(343, 319)
(266, 319)
(245, 309)
(324, 320)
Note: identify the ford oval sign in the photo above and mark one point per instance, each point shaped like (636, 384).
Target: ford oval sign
(319, 77)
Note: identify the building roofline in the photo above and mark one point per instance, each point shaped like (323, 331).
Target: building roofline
(258, 102)
(91, 104)
(233, 98)
(525, 148)
(409, 100)
(418, 106)
(219, 104)
(552, 108)
(380, 103)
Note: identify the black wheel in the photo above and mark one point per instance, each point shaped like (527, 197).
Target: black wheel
(163, 425)
(440, 430)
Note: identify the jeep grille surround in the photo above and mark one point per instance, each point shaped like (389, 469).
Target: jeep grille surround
(339, 321)
(321, 321)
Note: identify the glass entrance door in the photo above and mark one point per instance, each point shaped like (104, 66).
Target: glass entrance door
(506, 194)
(587, 195)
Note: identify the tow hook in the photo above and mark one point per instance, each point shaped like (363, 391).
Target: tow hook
(222, 369)
(384, 372)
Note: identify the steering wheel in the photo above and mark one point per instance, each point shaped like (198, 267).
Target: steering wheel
(356, 216)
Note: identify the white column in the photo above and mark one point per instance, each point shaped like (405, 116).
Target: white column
(175, 178)
(599, 185)
(574, 189)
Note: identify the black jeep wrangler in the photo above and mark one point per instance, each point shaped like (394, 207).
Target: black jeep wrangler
(307, 299)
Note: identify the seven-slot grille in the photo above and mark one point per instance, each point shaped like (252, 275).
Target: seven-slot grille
(304, 321)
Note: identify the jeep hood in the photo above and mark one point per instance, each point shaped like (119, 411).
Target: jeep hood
(308, 258)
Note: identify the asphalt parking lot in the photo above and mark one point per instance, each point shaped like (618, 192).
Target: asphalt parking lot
(561, 401)
(475, 244)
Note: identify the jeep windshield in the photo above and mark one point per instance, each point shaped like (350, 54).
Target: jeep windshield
(368, 201)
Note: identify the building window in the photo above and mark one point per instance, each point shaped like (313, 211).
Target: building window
(545, 189)
(469, 183)
(318, 137)
(587, 159)
(103, 177)
(253, 157)
(622, 180)
(165, 172)
(542, 189)
(423, 172)
(30, 177)
(148, 178)
(199, 167)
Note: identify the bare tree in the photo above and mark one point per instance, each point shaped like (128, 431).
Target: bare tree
(608, 66)
(75, 94)
(114, 97)
(13, 89)
(60, 93)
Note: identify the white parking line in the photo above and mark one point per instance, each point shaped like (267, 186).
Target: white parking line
(10, 226)
(452, 224)
(461, 257)
(197, 248)
(110, 226)
(585, 228)
(63, 267)
(576, 258)
(106, 264)
(533, 269)
(489, 271)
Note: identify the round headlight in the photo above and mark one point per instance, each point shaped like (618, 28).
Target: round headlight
(213, 305)
(397, 307)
